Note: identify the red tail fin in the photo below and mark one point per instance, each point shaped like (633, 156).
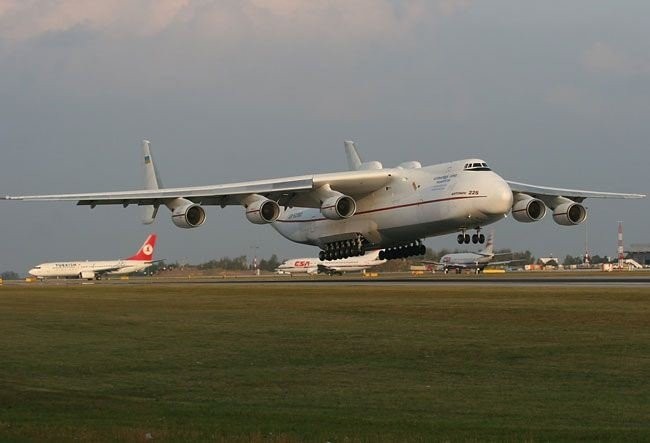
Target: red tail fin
(145, 253)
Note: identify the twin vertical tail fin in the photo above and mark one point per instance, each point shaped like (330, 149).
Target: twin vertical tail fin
(151, 181)
(354, 162)
(145, 253)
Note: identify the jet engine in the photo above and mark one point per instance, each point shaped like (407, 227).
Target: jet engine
(528, 209)
(262, 211)
(338, 207)
(188, 216)
(87, 275)
(569, 214)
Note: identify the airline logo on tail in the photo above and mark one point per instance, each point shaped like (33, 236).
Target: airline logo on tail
(145, 253)
(489, 246)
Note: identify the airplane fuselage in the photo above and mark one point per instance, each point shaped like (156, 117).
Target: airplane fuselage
(466, 260)
(77, 268)
(310, 265)
(435, 200)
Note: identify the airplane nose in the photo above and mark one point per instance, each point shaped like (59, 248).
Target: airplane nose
(32, 272)
(499, 198)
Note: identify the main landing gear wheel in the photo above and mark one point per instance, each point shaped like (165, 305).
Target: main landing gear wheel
(343, 249)
(403, 251)
(463, 238)
(475, 238)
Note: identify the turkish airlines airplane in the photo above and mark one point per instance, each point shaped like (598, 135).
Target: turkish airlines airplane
(368, 207)
(314, 265)
(471, 260)
(90, 270)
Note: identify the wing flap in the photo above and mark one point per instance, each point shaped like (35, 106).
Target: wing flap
(573, 194)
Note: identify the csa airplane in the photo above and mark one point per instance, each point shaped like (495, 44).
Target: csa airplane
(477, 261)
(314, 265)
(90, 270)
(368, 207)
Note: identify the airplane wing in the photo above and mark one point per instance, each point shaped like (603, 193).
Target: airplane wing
(323, 269)
(576, 195)
(498, 254)
(446, 265)
(290, 191)
(107, 270)
(430, 262)
(505, 262)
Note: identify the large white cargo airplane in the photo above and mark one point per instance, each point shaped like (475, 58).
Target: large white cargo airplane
(90, 270)
(367, 207)
(314, 265)
(477, 261)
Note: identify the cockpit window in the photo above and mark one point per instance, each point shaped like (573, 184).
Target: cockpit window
(476, 167)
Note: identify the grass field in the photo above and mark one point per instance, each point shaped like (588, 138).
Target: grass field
(292, 363)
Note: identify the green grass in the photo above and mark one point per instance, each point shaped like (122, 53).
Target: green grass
(247, 363)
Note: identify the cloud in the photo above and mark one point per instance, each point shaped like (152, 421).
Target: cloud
(22, 20)
(26, 19)
(602, 58)
(573, 99)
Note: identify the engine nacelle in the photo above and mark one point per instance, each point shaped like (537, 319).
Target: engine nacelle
(87, 275)
(528, 210)
(188, 216)
(569, 214)
(338, 207)
(262, 211)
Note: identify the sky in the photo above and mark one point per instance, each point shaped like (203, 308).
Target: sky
(550, 93)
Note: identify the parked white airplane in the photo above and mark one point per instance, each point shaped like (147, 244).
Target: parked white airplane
(314, 265)
(368, 207)
(471, 260)
(90, 270)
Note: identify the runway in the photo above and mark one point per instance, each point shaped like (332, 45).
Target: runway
(532, 280)
(407, 281)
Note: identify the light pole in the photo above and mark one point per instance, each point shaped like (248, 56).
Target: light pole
(255, 268)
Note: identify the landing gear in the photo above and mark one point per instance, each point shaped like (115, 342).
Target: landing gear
(475, 238)
(343, 249)
(404, 251)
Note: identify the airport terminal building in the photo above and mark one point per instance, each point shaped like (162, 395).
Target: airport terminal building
(639, 252)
